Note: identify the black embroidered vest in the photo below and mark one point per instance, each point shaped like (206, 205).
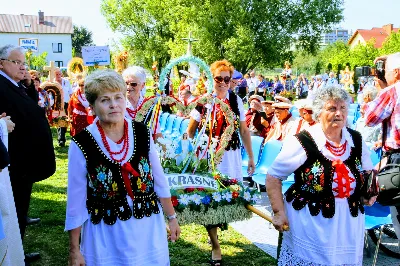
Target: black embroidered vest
(313, 180)
(106, 192)
(234, 143)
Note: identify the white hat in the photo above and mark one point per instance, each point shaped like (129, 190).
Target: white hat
(256, 97)
(282, 105)
(282, 99)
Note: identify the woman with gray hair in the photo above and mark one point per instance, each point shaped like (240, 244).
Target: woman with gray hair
(135, 80)
(115, 185)
(323, 210)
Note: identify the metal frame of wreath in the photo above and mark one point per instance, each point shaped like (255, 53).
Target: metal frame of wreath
(203, 100)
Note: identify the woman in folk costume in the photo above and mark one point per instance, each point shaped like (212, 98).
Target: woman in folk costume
(79, 112)
(135, 80)
(232, 160)
(324, 208)
(11, 251)
(115, 185)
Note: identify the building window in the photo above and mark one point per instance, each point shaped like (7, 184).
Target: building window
(59, 63)
(57, 47)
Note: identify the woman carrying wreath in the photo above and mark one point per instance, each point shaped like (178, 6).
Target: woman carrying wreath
(115, 186)
(324, 208)
(231, 163)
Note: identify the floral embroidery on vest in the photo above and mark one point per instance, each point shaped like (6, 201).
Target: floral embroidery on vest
(106, 191)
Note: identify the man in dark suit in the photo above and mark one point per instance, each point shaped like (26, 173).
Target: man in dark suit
(30, 147)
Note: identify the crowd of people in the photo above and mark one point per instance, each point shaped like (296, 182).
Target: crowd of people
(117, 193)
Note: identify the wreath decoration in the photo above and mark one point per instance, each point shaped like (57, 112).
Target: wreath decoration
(226, 201)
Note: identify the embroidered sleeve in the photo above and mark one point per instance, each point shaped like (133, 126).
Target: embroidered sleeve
(76, 213)
(291, 157)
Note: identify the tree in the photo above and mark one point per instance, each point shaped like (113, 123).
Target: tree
(249, 33)
(81, 37)
(391, 44)
(36, 62)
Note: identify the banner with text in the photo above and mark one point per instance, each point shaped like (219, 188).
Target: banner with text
(96, 55)
(29, 44)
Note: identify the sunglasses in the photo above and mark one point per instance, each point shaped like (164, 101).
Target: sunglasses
(132, 84)
(220, 79)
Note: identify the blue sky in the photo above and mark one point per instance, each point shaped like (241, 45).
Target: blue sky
(359, 14)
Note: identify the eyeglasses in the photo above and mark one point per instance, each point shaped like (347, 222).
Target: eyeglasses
(310, 112)
(132, 84)
(16, 62)
(82, 85)
(220, 79)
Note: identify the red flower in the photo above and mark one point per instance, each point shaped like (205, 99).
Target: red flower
(143, 187)
(234, 181)
(190, 189)
(235, 194)
(311, 177)
(307, 170)
(174, 201)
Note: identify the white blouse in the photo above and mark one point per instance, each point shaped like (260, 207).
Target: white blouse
(131, 242)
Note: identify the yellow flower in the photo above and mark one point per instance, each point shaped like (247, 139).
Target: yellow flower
(114, 187)
(234, 187)
(96, 211)
(318, 187)
(139, 182)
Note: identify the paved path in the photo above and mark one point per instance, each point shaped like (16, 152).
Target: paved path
(264, 236)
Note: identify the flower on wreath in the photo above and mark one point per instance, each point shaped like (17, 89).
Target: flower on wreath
(217, 196)
(234, 187)
(196, 198)
(174, 201)
(217, 177)
(234, 181)
(143, 187)
(184, 199)
(200, 189)
(235, 194)
(255, 198)
(206, 200)
(227, 196)
(247, 196)
(189, 190)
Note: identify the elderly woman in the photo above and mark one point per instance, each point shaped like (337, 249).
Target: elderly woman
(79, 112)
(115, 185)
(135, 80)
(324, 207)
(232, 160)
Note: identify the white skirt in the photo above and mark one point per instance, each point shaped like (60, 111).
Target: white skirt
(315, 240)
(134, 242)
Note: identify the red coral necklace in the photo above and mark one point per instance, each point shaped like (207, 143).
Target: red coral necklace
(337, 151)
(125, 139)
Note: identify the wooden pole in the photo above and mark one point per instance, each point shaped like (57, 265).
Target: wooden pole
(263, 215)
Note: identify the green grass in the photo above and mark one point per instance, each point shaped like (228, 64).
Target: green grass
(48, 237)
